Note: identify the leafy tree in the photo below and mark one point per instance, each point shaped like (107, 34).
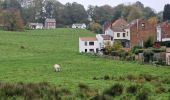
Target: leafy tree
(12, 20)
(135, 13)
(11, 4)
(153, 20)
(166, 12)
(148, 12)
(95, 27)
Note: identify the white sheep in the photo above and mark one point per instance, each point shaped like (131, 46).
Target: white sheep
(57, 68)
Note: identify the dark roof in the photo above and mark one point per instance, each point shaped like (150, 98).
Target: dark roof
(118, 29)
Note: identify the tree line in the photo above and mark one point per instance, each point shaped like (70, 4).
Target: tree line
(70, 13)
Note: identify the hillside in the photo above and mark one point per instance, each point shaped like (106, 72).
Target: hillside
(29, 57)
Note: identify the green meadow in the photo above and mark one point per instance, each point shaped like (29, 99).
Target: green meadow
(29, 57)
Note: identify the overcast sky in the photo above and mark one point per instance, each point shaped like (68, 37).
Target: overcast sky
(157, 5)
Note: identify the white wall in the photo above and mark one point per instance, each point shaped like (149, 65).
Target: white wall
(82, 46)
(83, 26)
(109, 32)
(127, 35)
(158, 30)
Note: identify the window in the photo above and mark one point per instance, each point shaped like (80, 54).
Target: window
(111, 38)
(118, 34)
(143, 25)
(91, 50)
(91, 43)
(85, 43)
(85, 50)
(124, 34)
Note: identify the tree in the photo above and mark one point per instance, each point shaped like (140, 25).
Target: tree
(135, 13)
(95, 27)
(11, 4)
(12, 20)
(166, 12)
(153, 20)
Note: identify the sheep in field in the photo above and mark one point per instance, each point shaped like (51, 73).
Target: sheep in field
(57, 68)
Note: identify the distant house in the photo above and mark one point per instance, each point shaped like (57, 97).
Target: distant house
(163, 32)
(88, 44)
(50, 23)
(140, 31)
(118, 31)
(81, 26)
(36, 25)
(131, 34)
(94, 44)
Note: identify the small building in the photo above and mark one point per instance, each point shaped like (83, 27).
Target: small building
(168, 56)
(36, 25)
(88, 45)
(81, 26)
(103, 40)
(50, 23)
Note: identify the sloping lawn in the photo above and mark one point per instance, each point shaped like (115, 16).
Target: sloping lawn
(29, 57)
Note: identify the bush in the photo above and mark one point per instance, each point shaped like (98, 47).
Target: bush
(133, 89)
(115, 90)
(142, 96)
(85, 92)
(148, 55)
(106, 77)
(160, 89)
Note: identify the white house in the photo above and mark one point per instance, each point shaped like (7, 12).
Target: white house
(121, 34)
(103, 39)
(81, 26)
(36, 25)
(50, 23)
(88, 45)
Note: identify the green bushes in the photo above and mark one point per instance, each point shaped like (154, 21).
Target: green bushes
(115, 90)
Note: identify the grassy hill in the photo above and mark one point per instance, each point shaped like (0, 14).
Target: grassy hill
(29, 57)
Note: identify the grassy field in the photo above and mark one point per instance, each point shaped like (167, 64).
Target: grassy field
(29, 57)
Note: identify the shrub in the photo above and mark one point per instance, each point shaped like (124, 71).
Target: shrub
(115, 90)
(142, 96)
(85, 92)
(106, 77)
(166, 81)
(133, 89)
(131, 77)
(95, 78)
(160, 89)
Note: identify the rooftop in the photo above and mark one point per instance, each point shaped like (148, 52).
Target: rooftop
(88, 39)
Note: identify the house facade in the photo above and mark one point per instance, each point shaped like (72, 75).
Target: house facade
(140, 31)
(36, 25)
(163, 32)
(81, 26)
(50, 23)
(88, 45)
(119, 32)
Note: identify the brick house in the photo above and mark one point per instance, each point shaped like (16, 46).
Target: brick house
(50, 23)
(140, 31)
(163, 32)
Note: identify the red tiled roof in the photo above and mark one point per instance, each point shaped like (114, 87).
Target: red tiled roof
(119, 23)
(88, 39)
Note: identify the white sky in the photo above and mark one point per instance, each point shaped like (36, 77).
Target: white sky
(157, 5)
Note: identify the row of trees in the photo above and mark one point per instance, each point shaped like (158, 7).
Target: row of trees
(70, 13)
